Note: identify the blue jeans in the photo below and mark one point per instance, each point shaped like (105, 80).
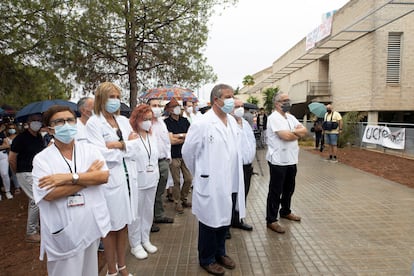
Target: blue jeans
(331, 139)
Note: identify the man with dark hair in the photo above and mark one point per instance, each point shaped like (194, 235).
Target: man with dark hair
(178, 126)
(23, 149)
(160, 132)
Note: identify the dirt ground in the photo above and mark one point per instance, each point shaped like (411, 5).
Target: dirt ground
(20, 258)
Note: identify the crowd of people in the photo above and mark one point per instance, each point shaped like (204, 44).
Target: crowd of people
(96, 181)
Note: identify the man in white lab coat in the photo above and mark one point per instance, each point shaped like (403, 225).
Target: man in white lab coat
(212, 153)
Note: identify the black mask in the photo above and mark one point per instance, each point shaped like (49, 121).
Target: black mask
(286, 107)
(329, 111)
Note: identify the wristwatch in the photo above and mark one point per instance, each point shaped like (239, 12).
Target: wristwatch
(75, 178)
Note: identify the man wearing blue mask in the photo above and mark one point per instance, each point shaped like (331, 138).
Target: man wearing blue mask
(212, 152)
(283, 132)
(23, 149)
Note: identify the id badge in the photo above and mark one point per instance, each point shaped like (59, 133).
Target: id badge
(150, 168)
(76, 200)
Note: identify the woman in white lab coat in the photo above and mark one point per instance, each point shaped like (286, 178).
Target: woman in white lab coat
(66, 187)
(111, 133)
(213, 155)
(148, 175)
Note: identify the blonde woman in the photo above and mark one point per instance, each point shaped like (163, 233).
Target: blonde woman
(110, 132)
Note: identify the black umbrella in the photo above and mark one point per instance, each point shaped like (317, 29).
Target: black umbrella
(250, 106)
(125, 110)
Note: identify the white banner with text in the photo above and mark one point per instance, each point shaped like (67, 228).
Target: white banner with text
(382, 135)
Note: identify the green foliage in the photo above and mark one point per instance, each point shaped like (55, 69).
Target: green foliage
(252, 100)
(248, 80)
(237, 90)
(350, 128)
(268, 98)
(22, 84)
(137, 43)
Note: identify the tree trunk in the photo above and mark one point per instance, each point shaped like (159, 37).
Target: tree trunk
(131, 53)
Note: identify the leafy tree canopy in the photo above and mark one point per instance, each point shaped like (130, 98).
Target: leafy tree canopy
(248, 80)
(252, 100)
(269, 93)
(22, 84)
(135, 43)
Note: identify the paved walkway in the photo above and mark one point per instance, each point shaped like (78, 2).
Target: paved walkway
(353, 223)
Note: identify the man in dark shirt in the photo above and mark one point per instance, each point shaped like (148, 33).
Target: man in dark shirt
(177, 127)
(23, 149)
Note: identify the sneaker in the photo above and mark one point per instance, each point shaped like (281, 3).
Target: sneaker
(139, 252)
(334, 160)
(34, 238)
(155, 228)
(328, 159)
(17, 191)
(149, 247)
(9, 195)
(179, 208)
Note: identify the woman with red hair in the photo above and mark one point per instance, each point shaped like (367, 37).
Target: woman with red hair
(148, 174)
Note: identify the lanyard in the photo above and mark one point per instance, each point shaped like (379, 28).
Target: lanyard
(74, 158)
(149, 145)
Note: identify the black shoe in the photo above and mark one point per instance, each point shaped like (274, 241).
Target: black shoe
(155, 228)
(243, 226)
(164, 220)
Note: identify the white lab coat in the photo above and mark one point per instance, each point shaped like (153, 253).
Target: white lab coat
(66, 231)
(122, 206)
(206, 154)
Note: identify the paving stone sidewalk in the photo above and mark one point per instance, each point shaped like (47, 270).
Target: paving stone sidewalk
(353, 223)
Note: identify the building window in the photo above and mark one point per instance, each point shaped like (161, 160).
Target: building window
(394, 58)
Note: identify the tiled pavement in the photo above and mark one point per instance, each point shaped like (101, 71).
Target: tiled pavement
(353, 223)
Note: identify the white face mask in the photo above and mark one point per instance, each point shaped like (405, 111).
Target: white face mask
(157, 111)
(177, 110)
(146, 125)
(239, 112)
(189, 109)
(35, 126)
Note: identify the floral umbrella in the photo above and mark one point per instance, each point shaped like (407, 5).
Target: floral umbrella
(168, 92)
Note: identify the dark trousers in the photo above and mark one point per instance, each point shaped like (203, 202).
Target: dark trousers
(211, 243)
(247, 175)
(281, 188)
(163, 166)
(318, 138)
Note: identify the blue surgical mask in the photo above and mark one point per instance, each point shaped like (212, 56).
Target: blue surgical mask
(65, 133)
(12, 131)
(112, 105)
(228, 105)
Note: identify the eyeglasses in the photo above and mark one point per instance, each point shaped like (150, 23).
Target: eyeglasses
(284, 101)
(61, 122)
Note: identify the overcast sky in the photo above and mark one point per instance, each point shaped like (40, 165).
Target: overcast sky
(250, 36)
